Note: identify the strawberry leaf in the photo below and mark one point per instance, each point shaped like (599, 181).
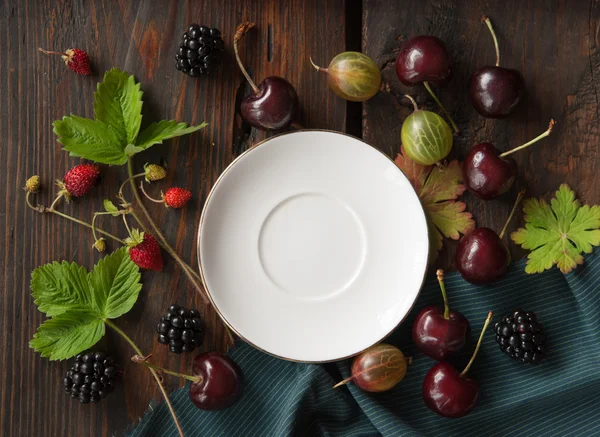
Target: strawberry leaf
(67, 334)
(118, 103)
(110, 207)
(558, 233)
(438, 188)
(80, 301)
(156, 133)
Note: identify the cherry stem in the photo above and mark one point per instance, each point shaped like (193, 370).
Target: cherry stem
(239, 33)
(147, 196)
(144, 361)
(488, 22)
(50, 52)
(485, 325)
(325, 70)
(43, 209)
(440, 277)
(415, 107)
(535, 140)
(154, 373)
(441, 106)
(512, 213)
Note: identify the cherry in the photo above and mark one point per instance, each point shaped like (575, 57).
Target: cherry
(495, 91)
(487, 173)
(438, 332)
(220, 383)
(449, 393)
(424, 59)
(274, 103)
(481, 256)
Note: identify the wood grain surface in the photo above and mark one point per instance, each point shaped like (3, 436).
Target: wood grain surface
(141, 37)
(554, 43)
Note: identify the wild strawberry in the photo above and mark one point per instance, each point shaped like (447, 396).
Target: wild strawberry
(100, 245)
(33, 184)
(79, 180)
(144, 251)
(154, 172)
(76, 59)
(176, 197)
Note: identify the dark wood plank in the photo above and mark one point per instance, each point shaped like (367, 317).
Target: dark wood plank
(140, 37)
(554, 43)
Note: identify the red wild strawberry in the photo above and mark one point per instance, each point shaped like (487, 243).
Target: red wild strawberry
(144, 251)
(176, 197)
(76, 59)
(80, 180)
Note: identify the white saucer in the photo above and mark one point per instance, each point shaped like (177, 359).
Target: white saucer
(313, 246)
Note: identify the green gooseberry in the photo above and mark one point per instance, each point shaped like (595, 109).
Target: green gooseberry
(352, 76)
(426, 137)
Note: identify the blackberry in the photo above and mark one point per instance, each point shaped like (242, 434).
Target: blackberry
(92, 377)
(520, 336)
(180, 328)
(199, 51)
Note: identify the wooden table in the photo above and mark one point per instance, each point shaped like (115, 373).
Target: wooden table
(554, 43)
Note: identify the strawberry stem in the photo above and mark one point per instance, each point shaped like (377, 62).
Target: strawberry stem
(127, 225)
(485, 325)
(50, 52)
(154, 374)
(441, 106)
(239, 33)
(440, 278)
(139, 175)
(56, 201)
(512, 213)
(147, 196)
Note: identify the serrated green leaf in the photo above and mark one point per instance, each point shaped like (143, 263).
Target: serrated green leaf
(67, 334)
(110, 207)
(60, 287)
(558, 233)
(131, 150)
(90, 139)
(118, 103)
(156, 133)
(115, 282)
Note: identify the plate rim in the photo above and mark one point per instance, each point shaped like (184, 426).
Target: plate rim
(199, 258)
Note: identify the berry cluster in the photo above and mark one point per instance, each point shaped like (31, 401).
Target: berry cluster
(520, 337)
(180, 329)
(92, 377)
(199, 51)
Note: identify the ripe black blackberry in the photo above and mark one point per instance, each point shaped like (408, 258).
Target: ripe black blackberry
(92, 377)
(180, 329)
(200, 50)
(520, 336)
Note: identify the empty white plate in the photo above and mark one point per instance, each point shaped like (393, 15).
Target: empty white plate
(313, 246)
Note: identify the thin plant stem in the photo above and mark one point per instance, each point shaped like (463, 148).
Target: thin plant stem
(139, 175)
(316, 66)
(154, 373)
(240, 31)
(50, 52)
(55, 202)
(415, 107)
(148, 196)
(488, 22)
(441, 106)
(344, 381)
(169, 372)
(512, 213)
(440, 278)
(529, 143)
(485, 325)
(127, 225)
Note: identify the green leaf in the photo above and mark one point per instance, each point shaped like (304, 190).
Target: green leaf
(156, 133)
(110, 207)
(118, 103)
(115, 282)
(67, 334)
(131, 150)
(60, 287)
(558, 233)
(89, 139)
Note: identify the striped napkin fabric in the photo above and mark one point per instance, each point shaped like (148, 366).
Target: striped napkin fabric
(557, 398)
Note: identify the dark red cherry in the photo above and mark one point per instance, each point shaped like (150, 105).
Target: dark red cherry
(439, 332)
(496, 91)
(487, 173)
(423, 59)
(449, 393)
(221, 384)
(274, 103)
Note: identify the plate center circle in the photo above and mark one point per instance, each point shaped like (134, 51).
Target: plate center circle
(312, 246)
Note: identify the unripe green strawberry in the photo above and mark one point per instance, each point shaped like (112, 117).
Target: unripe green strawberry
(33, 184)
(154, 172)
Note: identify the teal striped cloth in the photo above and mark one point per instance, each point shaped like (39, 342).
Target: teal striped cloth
(561, 397)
